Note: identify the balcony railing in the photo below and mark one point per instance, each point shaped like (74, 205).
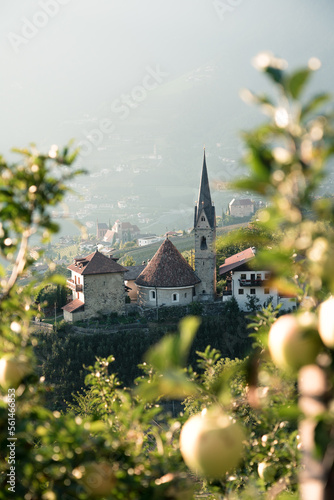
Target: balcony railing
(75, 287)
(253, 282)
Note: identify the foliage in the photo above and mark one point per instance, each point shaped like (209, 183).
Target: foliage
(287, 157)
(50, 295)
(122, 445)
(127, 260)
(117, 442)
(61, 358)
(240, 239)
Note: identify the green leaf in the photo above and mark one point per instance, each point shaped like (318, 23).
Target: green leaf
(170, 385)
(188, 328)
(275, 74)
(172, 350)
(315, 103)
(297, 81)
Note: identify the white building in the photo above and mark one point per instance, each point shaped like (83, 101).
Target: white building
(243, 282)
(242, 207)
(142, 242)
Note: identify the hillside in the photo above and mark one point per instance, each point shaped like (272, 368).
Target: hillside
(182, 243)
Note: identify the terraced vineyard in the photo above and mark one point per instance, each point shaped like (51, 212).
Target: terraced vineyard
(68, 252)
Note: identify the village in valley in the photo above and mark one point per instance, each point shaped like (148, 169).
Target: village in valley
(104, 276)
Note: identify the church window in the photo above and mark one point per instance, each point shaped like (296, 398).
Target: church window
(175, 297)
(203, 243)
(152, 295)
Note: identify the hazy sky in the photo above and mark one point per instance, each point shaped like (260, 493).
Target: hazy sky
(62, 59)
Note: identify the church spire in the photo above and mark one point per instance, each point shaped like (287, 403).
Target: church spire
(204, 197)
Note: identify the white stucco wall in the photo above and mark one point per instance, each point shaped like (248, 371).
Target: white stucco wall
(263, 293)
(164, 296)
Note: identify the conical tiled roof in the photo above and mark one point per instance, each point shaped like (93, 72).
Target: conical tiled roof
(167, 269)
(96, 263)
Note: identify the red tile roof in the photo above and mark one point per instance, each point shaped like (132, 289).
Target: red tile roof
(109, 235)
(167, 269)
(236, 260)
(73, 306)
(96, 263)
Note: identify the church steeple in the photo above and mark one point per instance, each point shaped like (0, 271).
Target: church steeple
(205, 235)
(204, 198)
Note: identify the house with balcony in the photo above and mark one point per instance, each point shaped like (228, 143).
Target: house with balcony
(243, 280)
(97, 285)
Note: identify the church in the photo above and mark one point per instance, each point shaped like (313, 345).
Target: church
(168, 279)
(98, 283)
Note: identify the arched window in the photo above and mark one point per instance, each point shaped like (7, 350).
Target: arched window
(203, 243)
(203, 218)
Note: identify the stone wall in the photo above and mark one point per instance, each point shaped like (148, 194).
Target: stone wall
(205, 259)
(104, 294)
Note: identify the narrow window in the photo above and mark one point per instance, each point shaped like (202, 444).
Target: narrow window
(175, 297)
(203, 218)
(203, 243)
(152, 295)
(252, 277)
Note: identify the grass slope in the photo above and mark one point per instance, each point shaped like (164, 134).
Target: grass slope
(182, 243)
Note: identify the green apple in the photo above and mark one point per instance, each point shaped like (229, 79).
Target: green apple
(267, 471)
(211, 443)
(97, 478)
(12, 370)
(326, 322)
(294, 341)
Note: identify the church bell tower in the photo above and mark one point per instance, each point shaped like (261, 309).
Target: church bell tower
(205, 237)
